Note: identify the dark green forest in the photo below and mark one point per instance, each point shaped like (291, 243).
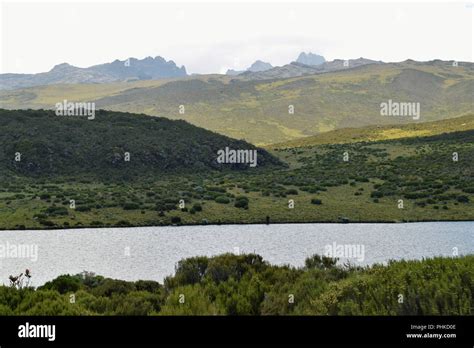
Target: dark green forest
(248, 285)
(52, 146)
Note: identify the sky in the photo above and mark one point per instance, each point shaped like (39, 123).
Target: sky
(213, 37)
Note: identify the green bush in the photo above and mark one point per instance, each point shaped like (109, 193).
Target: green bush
(222, 199)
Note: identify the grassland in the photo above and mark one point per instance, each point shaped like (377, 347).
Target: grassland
(378, 133)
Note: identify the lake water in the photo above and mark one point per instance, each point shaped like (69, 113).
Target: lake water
(152, 252)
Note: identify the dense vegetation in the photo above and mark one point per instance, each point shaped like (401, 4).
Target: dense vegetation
(59, 145)
(247, 285)
(407, 179)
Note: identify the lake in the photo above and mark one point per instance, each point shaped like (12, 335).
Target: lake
(152, 252)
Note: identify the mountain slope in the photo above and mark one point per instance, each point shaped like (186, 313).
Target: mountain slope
(63, 145)
(376, 133)
(297, 68)
(258, 110)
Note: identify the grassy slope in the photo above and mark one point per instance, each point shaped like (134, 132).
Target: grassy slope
(258, 110)
(377, 133)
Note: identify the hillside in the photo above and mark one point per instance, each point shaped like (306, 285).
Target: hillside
(258, 111)
(66, 145)
(376, 133)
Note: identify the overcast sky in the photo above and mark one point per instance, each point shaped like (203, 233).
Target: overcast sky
(212, 37)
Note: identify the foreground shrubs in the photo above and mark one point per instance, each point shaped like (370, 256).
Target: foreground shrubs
(247, 285)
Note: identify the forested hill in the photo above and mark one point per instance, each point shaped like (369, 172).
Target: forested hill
(38, 142)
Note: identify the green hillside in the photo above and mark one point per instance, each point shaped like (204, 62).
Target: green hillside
(72, 145)
(376, 133)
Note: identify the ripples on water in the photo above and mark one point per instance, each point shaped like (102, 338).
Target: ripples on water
(152, 252)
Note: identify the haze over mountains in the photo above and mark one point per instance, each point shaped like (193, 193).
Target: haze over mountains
(152, 69)
(127, 70)
(257, 66)
(310, 59)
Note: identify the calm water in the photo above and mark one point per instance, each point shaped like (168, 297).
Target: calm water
(152, 252)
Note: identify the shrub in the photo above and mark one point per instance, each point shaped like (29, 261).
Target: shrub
(197, 207)
(63, 284)
(53, 210)
(131, 206)
(222, 199)
(242, 202)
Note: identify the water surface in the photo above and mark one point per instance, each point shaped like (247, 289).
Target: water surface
(152, 252)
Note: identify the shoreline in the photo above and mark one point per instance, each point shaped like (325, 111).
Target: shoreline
(233, 224)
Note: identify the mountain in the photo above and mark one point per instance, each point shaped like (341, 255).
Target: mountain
(70, 145)
(233, 72)
(310, 59)
(295, 69)
(257, 66)
(145, 69)
(130, 69)
(258, 110)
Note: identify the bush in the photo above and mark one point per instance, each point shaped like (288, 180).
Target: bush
(319, 262)
(53, 211)
(46, 222)
(242, 202)
(131, 206)
(222, 199)
(63, 284)
(175, 220)
(463, 199)
(197, 207)
(316, 201)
